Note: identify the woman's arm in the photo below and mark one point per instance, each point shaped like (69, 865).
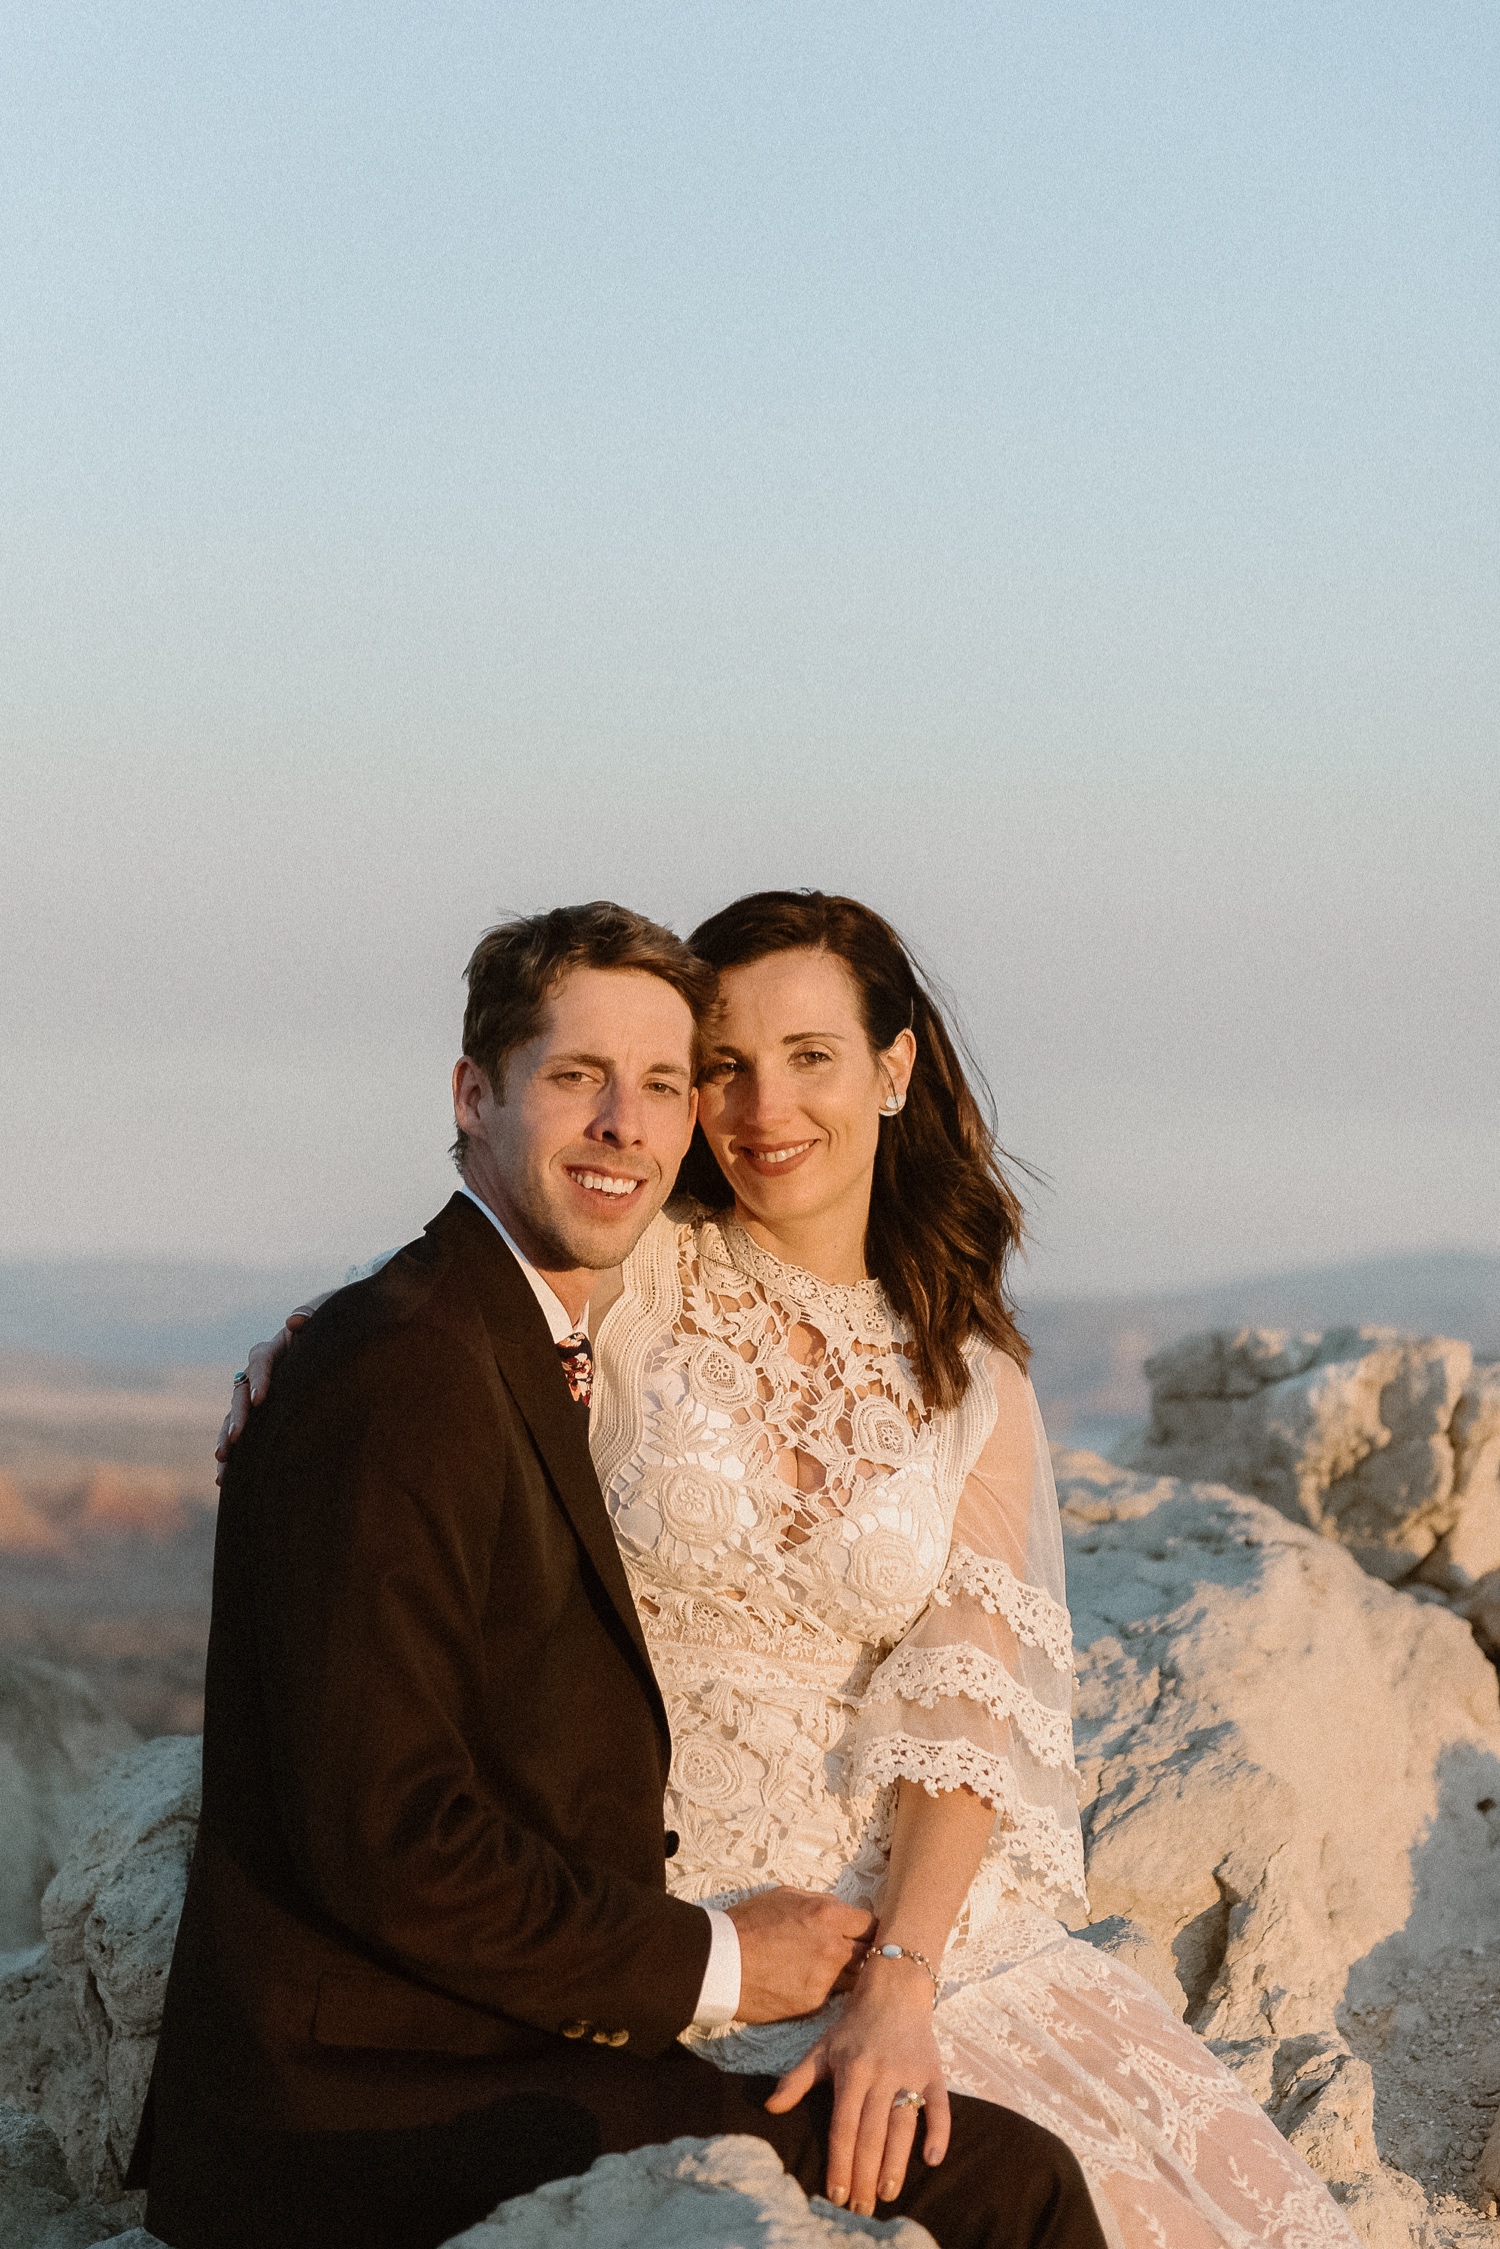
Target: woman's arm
(973, 1702)
(262, 1357)
(884, 2042)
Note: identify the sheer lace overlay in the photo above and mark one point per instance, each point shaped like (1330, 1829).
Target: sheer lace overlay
(840, 1591)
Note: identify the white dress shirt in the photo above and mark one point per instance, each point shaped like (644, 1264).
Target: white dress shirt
(719, 1997)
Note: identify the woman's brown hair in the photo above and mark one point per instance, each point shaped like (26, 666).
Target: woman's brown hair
(944, 1217)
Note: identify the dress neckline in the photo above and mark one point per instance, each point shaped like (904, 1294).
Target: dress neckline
(860, 1306)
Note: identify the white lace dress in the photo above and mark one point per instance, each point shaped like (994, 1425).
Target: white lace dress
(840, 1590)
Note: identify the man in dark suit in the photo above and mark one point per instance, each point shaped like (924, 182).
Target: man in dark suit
(427, 1958)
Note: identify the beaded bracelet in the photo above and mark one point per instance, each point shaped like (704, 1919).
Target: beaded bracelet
(904, 1952)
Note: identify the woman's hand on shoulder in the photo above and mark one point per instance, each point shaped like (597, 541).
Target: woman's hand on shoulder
(882, 2045)
(251, 1388)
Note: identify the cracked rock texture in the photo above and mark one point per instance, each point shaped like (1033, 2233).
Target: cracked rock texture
(55, 1734)
(1388, 1443)
(1292, 1790)
(110, 1916)
(729, 2193)
(39, 2206)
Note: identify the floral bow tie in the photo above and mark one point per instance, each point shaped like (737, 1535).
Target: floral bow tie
(578, 1365)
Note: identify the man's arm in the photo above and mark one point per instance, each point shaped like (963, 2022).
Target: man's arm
(375, 1528)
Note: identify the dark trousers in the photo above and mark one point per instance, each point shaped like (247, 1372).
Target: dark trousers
(1004, 2184)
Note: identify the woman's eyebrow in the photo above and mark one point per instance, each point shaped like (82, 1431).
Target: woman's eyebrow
(793, 1038)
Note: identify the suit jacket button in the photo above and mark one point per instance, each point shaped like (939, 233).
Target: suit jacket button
(575, 2030)
(672, 1841)
(619, 2038)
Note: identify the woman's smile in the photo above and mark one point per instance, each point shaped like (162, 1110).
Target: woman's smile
(771, 1159)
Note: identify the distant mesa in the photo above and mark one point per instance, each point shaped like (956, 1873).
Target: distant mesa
(147, 1501)
(24, 1529)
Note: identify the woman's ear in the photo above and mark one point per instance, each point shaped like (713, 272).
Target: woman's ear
(896, 1066)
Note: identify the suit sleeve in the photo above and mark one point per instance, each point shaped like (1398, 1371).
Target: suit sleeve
(378, 1527)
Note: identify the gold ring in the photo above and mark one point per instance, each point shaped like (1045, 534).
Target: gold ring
(907, 2099)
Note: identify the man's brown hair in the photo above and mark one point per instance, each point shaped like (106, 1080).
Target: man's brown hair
(517, 965)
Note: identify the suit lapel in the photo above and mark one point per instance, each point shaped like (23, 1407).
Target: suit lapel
(532, 1372)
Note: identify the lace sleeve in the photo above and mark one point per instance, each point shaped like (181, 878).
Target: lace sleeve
(978, 1692)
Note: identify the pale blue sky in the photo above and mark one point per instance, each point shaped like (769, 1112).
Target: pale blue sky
(1035, 468)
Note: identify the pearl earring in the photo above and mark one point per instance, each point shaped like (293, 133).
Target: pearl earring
(894, 1106)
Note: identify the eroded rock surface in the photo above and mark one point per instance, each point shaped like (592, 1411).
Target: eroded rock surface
(728, 2193)
(1388, 1443)
(55, 1734)
(45, 2067)
(111, 1916)
(1291, 1777)
(39, 2206)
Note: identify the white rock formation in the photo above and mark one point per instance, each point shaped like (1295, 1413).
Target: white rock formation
(111, 1917)
(44, 2060)
(1388, 1443)
(39, 2205)
(1292, 1778)
(55, 1734)
(729, 2193)
(1290, 1772)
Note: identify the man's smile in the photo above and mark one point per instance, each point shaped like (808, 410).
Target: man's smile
(618, 1186)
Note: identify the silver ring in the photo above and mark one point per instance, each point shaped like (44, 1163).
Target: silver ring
(242, 1376)
(907, 2099)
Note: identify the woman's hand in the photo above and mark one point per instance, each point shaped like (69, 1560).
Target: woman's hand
(882, 2045)
(263, 1356)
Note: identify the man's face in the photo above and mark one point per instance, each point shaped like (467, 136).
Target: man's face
(581, 1153)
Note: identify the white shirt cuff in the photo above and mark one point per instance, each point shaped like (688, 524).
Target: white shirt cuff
(719, 1999)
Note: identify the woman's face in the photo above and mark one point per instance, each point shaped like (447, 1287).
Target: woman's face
(791, 1092)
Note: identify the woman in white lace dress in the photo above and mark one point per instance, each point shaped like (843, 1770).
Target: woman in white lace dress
(829, 1480)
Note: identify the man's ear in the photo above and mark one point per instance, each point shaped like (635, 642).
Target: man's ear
(471, 1089)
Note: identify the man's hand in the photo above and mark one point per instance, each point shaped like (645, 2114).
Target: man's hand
(794, 1947)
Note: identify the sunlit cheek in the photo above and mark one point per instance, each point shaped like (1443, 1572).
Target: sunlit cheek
(712, 1112)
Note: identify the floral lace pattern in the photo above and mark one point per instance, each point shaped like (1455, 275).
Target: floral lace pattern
(925, 1675)
(1030, 1610)
(841, 1590)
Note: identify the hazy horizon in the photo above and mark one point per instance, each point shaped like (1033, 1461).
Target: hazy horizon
(1038, 473)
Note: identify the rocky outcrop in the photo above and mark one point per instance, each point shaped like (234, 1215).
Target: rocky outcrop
(111, 1918)
(55, 1734)
(1292, 1816)
(44, 2061)
(1388, 1443)
(79, 2015)
(39, 2206)
(1291, 1779)
(728, 2193)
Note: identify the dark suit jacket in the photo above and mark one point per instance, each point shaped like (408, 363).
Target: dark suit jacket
(434, 1752)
